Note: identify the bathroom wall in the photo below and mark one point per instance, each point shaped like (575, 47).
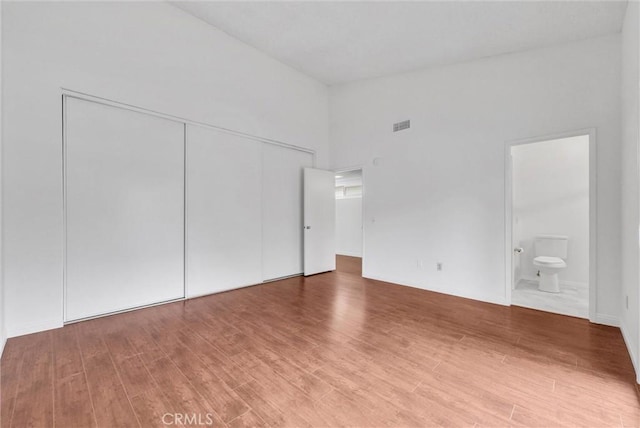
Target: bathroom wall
(349, 226)
(551, 197)
(435, 192)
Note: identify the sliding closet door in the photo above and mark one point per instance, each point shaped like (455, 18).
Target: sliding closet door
(282, 210)
(124, 209)
(224, 245)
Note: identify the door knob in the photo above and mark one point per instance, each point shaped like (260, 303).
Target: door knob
(307, 227)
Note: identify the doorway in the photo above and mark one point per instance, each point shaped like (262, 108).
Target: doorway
(551, 224)
(349, 225)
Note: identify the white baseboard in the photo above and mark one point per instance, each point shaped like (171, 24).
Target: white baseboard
(630, 349)
(481, 298)
(36, 327)
(347, 253)
(609, 320)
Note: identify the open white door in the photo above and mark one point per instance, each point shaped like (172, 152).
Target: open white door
(319, 221)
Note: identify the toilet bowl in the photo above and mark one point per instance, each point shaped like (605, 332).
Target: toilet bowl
(549, 267)
(550, 252)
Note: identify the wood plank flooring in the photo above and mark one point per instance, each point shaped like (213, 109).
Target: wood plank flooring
(329, 350)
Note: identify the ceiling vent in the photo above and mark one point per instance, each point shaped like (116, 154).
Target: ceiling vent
(401, 125)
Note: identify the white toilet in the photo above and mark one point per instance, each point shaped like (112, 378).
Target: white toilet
(550, 251)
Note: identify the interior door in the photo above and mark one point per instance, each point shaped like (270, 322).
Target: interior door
(282, 201)
(124, 181)
(319, 221)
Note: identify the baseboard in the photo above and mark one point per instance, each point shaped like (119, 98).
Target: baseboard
(21, 330)
(481, 298)
(630, 349)
(605, 319)
(346, 253)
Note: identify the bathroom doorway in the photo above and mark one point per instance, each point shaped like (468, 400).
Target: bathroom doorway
(550, 209)
(349, 224)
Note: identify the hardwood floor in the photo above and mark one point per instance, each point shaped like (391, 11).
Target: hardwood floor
(329, 350)
(348, 264)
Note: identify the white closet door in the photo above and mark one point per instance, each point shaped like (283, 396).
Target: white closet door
(282, 231)
(124, 209)
(224, 246)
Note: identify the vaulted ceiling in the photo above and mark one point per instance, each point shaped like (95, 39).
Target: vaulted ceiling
(338, 42)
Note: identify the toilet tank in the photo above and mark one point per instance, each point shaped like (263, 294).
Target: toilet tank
(551, 246)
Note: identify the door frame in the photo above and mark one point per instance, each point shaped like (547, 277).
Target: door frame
(362, 170)
(593, 226)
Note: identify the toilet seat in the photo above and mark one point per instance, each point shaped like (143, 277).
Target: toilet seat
(549, 261)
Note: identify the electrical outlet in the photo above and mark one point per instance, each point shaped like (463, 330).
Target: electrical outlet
(439, 266)
(626, 301)
(419, 264)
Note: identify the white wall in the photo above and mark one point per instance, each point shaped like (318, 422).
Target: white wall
(3, 332)
(450, 206)
(629, 320)
(349, 227)
(551, 197)
(149, 54)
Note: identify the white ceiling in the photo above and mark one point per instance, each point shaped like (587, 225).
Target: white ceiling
(338, 42)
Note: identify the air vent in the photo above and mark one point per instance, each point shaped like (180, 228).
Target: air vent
(401, 125)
